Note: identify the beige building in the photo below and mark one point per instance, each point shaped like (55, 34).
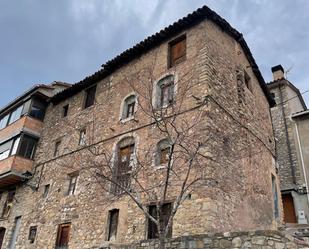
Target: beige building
(288, 118)
(104, 153)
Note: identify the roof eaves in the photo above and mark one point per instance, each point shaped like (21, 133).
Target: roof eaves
(156, 39)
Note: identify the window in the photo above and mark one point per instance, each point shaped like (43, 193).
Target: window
(57, 148)
(8, 203)
(63, 236)
(65, 110)
(4, 121)
(9, 148)
(112, 224)
(90, 96)
(123, 167)
(129, 107)
(32, 234)
(15, 115)
(163, 152)
(46, 190)
(37, 109)
(247, 80)
(82, 137)
(27, 147)
(164, 217)
(275, 196)
(177, 51)
(165, 91)
(72, 183)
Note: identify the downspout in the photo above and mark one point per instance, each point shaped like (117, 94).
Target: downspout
(301, 157)
(287, 136)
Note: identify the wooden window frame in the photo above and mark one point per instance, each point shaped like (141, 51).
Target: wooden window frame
(173, 43)
(60, 229)
(87, 93)
(73, 178)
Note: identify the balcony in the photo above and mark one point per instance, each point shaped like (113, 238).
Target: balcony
(12, 169)
(25, 123)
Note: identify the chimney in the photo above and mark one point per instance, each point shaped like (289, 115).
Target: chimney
(278, 72)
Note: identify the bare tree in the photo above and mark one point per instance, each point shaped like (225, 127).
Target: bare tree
(188, 147)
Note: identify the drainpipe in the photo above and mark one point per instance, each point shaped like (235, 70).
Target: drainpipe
(301, 156)
(287, 136)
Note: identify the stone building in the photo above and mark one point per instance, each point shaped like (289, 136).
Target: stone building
(199, 63)
(21, 123)
(290, 157)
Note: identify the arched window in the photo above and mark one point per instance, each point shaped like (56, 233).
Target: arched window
(165, 91)
(129, 107)
(123, 164)
(163, 152)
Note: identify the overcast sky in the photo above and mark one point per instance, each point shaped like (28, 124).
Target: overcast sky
(43, 41)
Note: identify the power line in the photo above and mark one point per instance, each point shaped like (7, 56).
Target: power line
(281, 103)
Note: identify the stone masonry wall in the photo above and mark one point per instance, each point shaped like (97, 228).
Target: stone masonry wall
(244, 240)
(286, 158)
(242, 198)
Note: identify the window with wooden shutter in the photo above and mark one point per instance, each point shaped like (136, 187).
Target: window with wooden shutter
(90, 96)
(113, 224)
(164, 217)
(63, 236)
(177, 51)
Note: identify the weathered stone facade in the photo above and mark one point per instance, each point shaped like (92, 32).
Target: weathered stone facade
(242, 198)
(292, 181)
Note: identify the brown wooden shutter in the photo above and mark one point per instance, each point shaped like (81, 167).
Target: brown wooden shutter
(177, 51)
(63, 235)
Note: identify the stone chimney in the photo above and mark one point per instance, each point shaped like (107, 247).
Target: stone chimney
(278, 72)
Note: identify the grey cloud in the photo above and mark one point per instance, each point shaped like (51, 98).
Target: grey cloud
(48, 40)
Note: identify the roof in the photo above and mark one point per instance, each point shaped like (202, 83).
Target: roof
(31, 91)
(283, 81)
(155, 40)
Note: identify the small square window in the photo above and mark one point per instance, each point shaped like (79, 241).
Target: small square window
(65, 110)
(46, 190)
(82, 137)
(32, 234)
(177, 51)
(73, 182)
(90, 96)
(57, 148)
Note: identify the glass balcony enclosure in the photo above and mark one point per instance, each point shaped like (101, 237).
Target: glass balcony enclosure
(33, 107)
(22, 145)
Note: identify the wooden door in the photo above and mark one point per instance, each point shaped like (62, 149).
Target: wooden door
(63, 236)
(2, 233)
(288, 209)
